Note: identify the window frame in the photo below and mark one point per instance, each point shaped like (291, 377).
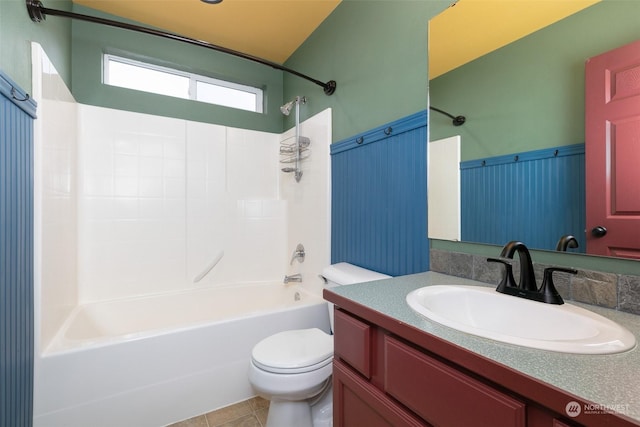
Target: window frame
(194, 79)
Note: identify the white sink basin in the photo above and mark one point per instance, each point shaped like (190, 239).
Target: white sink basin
(484, 312)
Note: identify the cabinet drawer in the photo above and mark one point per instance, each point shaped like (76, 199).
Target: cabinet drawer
(443, 396)
(352, 342)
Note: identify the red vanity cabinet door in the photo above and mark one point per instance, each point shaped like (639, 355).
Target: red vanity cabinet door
(352, 342)
(558, 423)
(357, 403)
(538, 416)
(444, 396)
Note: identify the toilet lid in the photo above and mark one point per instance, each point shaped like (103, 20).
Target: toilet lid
(299, 350)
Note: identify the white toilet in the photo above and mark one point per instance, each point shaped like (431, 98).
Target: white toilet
(293, 368)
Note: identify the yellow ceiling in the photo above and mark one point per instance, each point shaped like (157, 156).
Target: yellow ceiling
(472, 28)
(274, 29)
(269, 29)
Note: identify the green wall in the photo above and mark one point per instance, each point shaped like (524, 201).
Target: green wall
(90, 41)
(375, 50)
(17, 31)
(530, 94)
(377, 53)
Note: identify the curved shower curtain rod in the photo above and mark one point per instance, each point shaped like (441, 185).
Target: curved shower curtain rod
(456, 120)
(37, 13)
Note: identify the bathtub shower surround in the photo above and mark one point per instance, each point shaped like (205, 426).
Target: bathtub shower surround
(161, 198)
(311, 220)
(131, 210)
(55, 199)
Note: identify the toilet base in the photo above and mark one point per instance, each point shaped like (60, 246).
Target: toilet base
(317, 412)
(322, 410)
(289, 413)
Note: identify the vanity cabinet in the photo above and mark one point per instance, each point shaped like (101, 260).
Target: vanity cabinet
(384, 375)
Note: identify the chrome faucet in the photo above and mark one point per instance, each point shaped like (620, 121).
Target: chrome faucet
(292, 278)
(527, 287)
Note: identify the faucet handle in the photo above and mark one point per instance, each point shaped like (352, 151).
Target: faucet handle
(507, 280)
(298, 254)
(550, 294)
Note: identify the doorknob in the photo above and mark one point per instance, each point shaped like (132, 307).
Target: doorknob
(598, 231)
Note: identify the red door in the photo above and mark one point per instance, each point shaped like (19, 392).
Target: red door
(612, 151)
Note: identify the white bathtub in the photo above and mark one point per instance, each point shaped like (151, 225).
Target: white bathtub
(156, 360)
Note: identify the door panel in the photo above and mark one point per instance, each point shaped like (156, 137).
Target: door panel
(612, 131)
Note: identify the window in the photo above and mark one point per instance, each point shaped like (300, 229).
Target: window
(146, 77)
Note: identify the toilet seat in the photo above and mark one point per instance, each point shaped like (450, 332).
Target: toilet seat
(293, 352)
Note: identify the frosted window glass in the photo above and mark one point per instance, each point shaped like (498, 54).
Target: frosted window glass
(147, 80)
(234, 98)
(132, 74)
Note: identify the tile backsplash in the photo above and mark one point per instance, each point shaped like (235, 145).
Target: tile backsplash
(616, 291)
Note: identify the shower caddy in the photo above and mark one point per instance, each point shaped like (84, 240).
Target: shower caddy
(295, 149)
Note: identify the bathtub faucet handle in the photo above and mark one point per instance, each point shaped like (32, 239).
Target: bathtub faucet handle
(298, 254)
(292, 278)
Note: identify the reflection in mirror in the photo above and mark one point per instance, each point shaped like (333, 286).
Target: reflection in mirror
(443, 158)
(522, 147)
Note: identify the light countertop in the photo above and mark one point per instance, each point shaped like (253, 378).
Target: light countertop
(612, 380)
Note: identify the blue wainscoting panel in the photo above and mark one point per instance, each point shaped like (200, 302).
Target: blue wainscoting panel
(16, 255)
(513, 197)
(379, 198)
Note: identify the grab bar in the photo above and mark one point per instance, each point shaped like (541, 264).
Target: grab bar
(209, 267)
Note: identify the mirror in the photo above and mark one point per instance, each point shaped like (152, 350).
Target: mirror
(524, 103)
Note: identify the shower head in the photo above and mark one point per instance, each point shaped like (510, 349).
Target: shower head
(286, 108)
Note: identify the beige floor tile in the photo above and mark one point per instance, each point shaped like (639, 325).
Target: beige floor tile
(261, 414)
(200, 421)
(250, 413)
(246, 421)
(229, 413)
(258, 403)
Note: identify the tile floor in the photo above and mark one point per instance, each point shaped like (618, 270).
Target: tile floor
(250, 413)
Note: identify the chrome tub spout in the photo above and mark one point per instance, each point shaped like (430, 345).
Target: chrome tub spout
(292, 278)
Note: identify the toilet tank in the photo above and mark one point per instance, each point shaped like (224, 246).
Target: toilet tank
(343, 273)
